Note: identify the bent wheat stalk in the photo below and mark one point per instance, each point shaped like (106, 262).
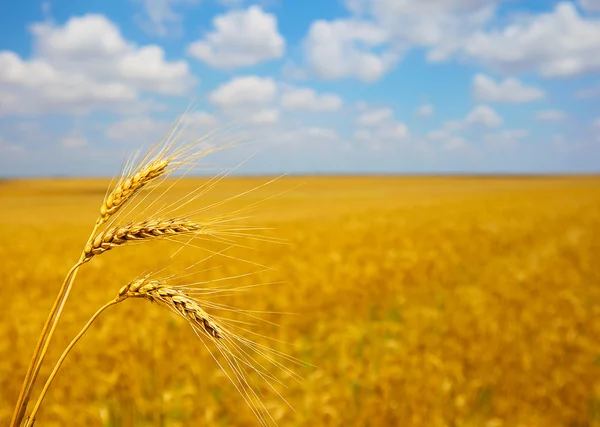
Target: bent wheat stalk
(31, 419)
(154, 291)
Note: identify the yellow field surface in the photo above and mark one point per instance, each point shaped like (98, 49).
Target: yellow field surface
(417, 301)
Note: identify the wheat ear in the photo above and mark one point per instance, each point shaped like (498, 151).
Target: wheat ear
(135, 231)
(126, 188)
(175, 300)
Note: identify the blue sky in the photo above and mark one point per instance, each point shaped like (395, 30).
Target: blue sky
(315, 86)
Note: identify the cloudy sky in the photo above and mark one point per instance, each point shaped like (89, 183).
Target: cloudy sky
(325, 86)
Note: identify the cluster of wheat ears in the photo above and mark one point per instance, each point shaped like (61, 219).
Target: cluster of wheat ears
(140, 178)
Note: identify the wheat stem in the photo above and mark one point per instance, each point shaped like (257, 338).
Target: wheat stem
(23, 398)
(44, 340)
(31, 419)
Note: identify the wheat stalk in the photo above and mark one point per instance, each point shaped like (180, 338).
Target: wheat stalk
(168, 155)
(180, 302)
(155, 291)
(155, 166)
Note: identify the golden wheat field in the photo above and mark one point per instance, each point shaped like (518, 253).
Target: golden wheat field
(410, 301)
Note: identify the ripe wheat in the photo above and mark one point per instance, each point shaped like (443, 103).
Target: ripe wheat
(175, 300)
(130, 185)
(162, 159)
(144, 230)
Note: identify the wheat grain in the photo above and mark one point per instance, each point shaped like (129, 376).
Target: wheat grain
(134, 231)
(127, 187)
(174, 300)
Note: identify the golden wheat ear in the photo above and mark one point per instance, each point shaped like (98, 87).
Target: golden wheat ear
(178, 149)
(240, 357)
(128, 186)
(174, 300)
(137, 231)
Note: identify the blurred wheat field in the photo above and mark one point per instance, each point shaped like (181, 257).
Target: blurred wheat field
(420, 302)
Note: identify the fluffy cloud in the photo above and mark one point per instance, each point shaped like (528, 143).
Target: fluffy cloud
(478, 117)
(343, 48)
(85, 65)
(306, 99)
(482, 115)
(550, 115)
(378, 126)
(241, 38)
(245, 90)
(263, 117)
(508, 90)
(556, 44)
(257, 100)
(440, 25)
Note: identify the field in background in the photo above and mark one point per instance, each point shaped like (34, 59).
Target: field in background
(420, 301)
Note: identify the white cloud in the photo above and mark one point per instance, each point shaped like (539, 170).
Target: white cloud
(382, 137)
(375, 117)
(590, 5)
(482, 115)
(556, 44)
(241, 38)
(550, 115)
(378, 125)
(265, 116)
(440, 25)
(159, 16)
(245, 90)
(508, 90)
(343, 48)
(425, 110)
(85, 65)
(297, 98)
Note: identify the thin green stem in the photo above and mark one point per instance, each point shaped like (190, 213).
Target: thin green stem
(31, 418)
